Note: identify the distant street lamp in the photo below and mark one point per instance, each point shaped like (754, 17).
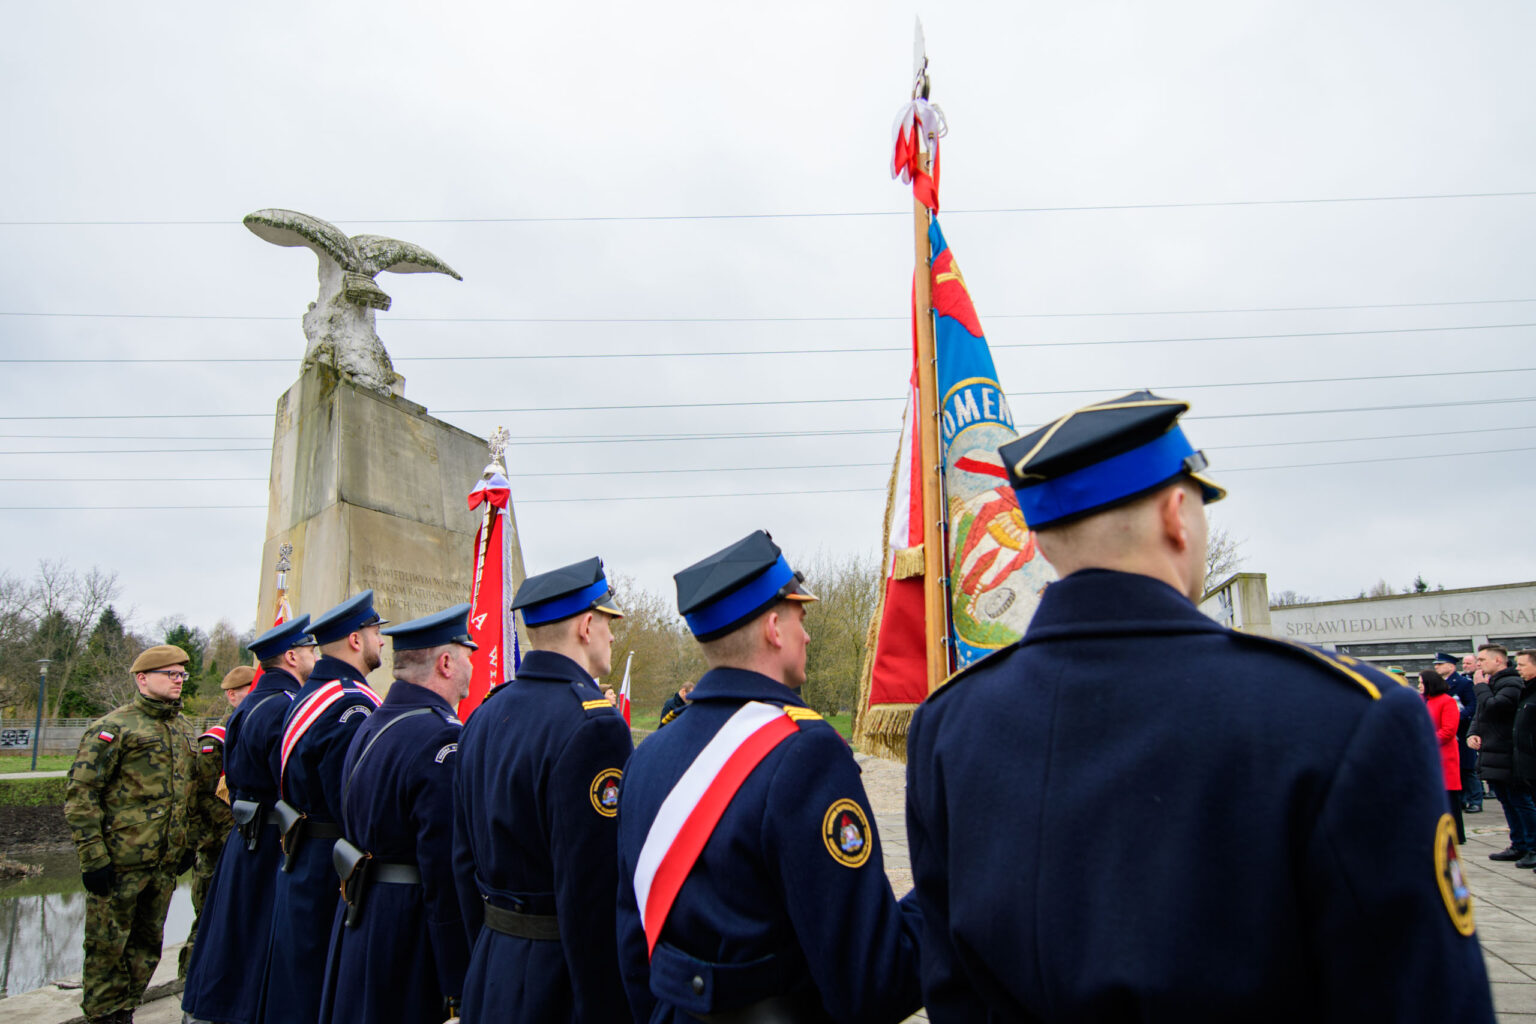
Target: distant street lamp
(42, 695)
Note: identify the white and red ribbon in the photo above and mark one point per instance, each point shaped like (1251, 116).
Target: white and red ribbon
(693, 808)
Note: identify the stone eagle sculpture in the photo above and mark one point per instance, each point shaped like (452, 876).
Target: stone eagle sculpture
(340, 324)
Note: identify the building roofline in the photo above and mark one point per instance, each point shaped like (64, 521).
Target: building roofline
(1399, 597)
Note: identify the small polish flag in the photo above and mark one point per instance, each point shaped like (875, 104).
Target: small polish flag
(105, 737)
(624, 689)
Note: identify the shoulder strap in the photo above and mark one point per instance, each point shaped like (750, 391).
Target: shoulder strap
(302, 716)
(690, 812)
(346, 786)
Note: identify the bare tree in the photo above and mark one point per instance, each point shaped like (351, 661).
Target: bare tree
(1286, 598)
(1223, 555)
(18, 672)
(66, 604)
(849, 590)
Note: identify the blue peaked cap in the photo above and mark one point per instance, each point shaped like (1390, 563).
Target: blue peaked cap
(564, 592)
(735, 585)
(282, 638)
(1449, 659)
(1101, 456)
(450, 626)
(348, 617)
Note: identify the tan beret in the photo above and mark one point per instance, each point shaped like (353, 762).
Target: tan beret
(159, 656)
(235, 678)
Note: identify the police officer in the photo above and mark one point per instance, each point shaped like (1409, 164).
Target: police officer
(128, 804)
(537, 789)
(772, 905)
(325, 714)
(227, 970)
(398, 950)
(1331, 890)
(211, 828)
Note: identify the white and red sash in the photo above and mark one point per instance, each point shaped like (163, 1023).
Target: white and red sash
(216, 731)
(309, 712)
(693, 808)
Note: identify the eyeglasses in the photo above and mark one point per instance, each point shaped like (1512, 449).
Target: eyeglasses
(175, 677)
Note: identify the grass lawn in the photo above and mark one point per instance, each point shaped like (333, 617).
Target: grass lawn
(45, 762)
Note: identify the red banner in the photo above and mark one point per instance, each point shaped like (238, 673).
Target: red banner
(487, 598)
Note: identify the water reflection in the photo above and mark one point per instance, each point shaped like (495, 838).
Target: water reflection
(43, 920)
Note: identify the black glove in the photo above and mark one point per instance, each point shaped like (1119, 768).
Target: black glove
(185, 864)
(100, 881)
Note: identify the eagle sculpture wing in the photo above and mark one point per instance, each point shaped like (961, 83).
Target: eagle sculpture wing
(290, 227)
(379, 254)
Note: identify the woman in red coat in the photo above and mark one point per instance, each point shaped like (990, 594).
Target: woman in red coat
(1446, 716)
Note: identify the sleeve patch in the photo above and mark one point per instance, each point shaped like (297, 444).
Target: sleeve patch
(105, 737)
(442, 755)
(604, 791)
(356, 709)
(1448, 875)
(845, 831)
(208, 748)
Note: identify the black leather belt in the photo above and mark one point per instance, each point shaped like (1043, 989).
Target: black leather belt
(541, 927)
(393, 873)
(309, 828)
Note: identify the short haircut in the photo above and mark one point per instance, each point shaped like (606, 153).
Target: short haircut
(418, 662)
(1498, 649)
(739, 644)
(274, 662)
(1529, 656)
(1433, 683)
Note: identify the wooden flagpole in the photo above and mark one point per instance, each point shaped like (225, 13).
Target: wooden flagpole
(930, 461)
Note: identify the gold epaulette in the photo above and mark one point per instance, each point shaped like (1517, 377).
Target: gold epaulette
(1353, 669)
(593, 705)
(800, 714)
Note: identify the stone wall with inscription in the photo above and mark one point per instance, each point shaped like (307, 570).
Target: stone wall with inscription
(1407, 629)
(370, 491)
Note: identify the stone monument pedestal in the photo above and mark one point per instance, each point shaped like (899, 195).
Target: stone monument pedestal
(370, 491)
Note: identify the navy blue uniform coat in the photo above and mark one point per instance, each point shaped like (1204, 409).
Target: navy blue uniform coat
(407, 952)
(1136, 814)
(305, 899)
(531, 832)
(767, 910)
(225, 977)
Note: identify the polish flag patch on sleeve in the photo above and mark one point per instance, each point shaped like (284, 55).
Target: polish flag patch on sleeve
(105, 737)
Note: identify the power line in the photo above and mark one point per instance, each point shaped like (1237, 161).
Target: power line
(609, 498)
(130, 479)
(731, 353)
(1377, 437)
(817, 215)
(1392, 458)
(828, 318)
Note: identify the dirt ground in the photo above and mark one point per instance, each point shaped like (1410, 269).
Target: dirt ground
(32, 829)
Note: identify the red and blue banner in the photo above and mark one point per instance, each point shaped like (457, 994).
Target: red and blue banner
(995, 574)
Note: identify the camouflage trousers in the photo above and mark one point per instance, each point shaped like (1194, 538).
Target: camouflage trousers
(202, 879)
(123, 933)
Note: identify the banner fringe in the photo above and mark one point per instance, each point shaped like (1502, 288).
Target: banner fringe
(907, 563)
(885, 730)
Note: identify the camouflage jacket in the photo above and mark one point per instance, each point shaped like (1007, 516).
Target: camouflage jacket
(211, 819)
(132, 788)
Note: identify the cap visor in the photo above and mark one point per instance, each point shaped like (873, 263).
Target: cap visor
(1209, 490)
(610, 609)
(800, 594)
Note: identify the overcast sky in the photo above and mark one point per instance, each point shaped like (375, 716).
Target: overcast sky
(527, 144)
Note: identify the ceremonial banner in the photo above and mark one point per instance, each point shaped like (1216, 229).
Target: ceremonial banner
(282, 613)
(487, 599)
(993, 576)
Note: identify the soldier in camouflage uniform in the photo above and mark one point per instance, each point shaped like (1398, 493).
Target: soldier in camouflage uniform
(211, 825)
(130, 799)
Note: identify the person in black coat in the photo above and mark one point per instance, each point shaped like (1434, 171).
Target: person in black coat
(675, 705)
(1492, 735)
(1333, 890)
